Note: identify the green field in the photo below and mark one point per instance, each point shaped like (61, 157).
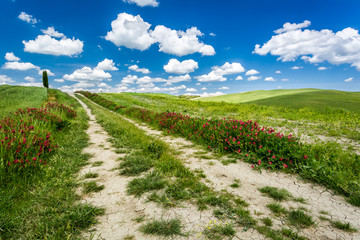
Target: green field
(322, 100)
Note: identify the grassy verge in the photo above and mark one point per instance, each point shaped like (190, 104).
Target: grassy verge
(325, 163)
(44, 205)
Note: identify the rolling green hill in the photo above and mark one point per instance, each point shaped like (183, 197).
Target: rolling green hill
(322, 100)
(254, 95)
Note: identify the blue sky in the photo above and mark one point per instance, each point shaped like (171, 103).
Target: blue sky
(200, 47)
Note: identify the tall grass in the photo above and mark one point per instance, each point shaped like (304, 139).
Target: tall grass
(43, 204)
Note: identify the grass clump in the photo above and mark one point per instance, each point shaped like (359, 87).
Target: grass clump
(166, 228)
(152, 181)
(267, 221)
(276, 208)
(97, 163)
(300, 219)
(135, 163)
(91, 175)
(343, 226)
(92, 186)
(218, 230)
(275, 193)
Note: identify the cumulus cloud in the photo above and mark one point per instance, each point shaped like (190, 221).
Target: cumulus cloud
(253, 78)
(137, 69)
(143, 3)
(10, 56)
(49, 73)
(5, 80)
(296, 68)
(191, 90)
(131, 32)
(31, 84)
(177, 79)
(60, 80)
(181, 43)
(285, 80)
(176, 67)
(87, 74)
(27, 18)
(106, 65)
(134, 33)
(224, 88)
(212, 34)
(292, 42)
(21, 66)
(287, 27)
(349, 79)
(251, 72)
(322, 68)
(29, 79)
(217, 73)
(203, 89)
(205, 94)
(269, 79)
(239, 78)
(278, 72)
(50, 31)
(129, 79)
(47, 44)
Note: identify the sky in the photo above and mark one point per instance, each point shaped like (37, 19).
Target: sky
(202, 47)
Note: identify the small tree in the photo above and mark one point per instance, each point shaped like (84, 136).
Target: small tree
(45, 79)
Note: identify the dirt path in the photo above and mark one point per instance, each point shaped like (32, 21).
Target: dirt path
(121, 210)
(317, 197)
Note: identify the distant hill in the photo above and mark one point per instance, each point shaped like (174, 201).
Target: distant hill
(319, 99)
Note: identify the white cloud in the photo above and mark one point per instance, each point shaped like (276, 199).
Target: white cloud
(106, 65)
(239, 78)
(322, 68)
(278, 72)
(203, 89)
(143, 3)
(21, 66)
(176, 79)
(49, 73)
(349, 79)
(191, 90)
(212, 34)
(50, 31)
(10, 56)
(288, 27)
(32, 84)
(224, 88)
(27, 18)
(137, 69)
(270, 79)
(217, 73)
(5, 80)
(45, 44)
(253, 78)
(314, 46)
(198, 84)
(131, 32)
(129, 79)
(285, 80)
(89, 75)
(186, 66)
(251, 72)
(29, 79)
(181, 43)
(103, 85)
(205, 94)
(59, 80)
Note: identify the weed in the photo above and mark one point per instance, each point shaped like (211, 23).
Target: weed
(276, 208)
(135, 163)
(97, 163)
(139, 219)
(165, 228)
(91, 175)
(300, 219)
(92, 186)
(275, 193)
(300, 200)
(267, 221)
(343, 226)
(152, 181)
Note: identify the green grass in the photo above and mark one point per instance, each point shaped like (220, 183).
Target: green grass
(135, 163)
(91, 175)
(15, 97)
(267, 221)
(166, 228)
(254, 95)
(97, 163)
(152, 181)
(343, 226)
(45, 206)
(219, 231)
(275, 193)
(276, 208)
(300, 219)
(92, 186)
